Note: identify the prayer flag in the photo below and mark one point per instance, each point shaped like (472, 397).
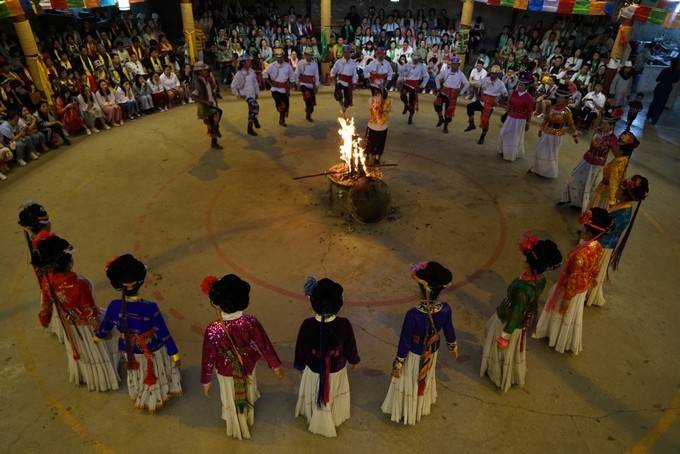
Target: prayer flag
(657, 16)
(521, 4)
(91, 3)
(550, 5)
(508, 3)
(582, 7)
(535, 5)
(641, 13)
(565, 6)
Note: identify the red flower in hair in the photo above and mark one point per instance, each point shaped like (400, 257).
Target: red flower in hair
(43, 235)
(207, 283)
(528, 243)
(586, 217)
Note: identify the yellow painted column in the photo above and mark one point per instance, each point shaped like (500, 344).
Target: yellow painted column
(465, 25)
(34, 63)
(325, 36)
(188, 26)
(618, 52)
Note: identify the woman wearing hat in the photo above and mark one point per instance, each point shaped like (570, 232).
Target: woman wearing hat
(232, 345)
(149, 352)
(491, 88)
(308, 81)
(413, 387)
(280, 75)
(585, 176)
(520, 110)
(345, 72)
(415, 78)
(615, 171)
(450, 83)
(205, 96)
(504, 350)
(70, 296)
(556, 121)
(325, 345)
(245, 85)
(562, 318)
(623, 213)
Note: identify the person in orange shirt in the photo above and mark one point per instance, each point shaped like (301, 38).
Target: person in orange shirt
(379, 108)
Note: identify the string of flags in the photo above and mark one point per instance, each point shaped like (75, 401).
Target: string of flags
(11, 8)
(661, 12)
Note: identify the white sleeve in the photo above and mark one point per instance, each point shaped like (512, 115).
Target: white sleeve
(236, 82)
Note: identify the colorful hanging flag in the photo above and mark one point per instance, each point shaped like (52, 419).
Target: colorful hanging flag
(582, 7)
(105, 3)
(536, 5)
(92, 4)
(521, 4)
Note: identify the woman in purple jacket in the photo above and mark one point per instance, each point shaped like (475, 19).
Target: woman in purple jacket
(325, 344)
(413, 389)
(232, 345)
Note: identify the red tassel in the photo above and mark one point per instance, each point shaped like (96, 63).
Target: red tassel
(207, 283)
(43, 235)
(327, 382)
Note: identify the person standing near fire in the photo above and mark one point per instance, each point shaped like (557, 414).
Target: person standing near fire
(379, 108)
(280, 76)
(450, 83)
(307, 76)
(491, 88)
(245, 85)
(415, 78)
(345, 72)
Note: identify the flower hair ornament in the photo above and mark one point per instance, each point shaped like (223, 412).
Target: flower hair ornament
(586, 219)
(529, 242)
(207, 284)
(310, 285)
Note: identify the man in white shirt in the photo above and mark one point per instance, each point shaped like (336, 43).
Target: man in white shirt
(307, 76)
(245, 86)
(135, 67)
(379, 70)
(345, 72)
(592, 103)
(203, 94)
(491, 88)
(404, 50)
(280, 75)
(476, 75)
(415, 78)
(450, 83)
(172, 85)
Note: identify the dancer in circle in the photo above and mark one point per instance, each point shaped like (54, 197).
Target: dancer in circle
(245, 85)
(345, 72)
(307, 76)
(149, 353)
(232, 345)
(633, 192)
(587, 173)
(520, 110)
(562, 318)
(205, 95)
(615, 171)
(491, 88)
(280, 76)
(504, 350)
(415, 78)
(450, 83)
(379, 108)
(379, 70)
(556, 121)
(413, 387)
(35, 222)
(324, 346)
(70, 296)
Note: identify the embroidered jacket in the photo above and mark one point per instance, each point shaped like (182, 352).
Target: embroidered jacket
(583, 267)
(557, 120)
(600, 146)
(341, 346)
(521, 106)
(521, 295)
(75, 298)
(621, 217)
(416, 328)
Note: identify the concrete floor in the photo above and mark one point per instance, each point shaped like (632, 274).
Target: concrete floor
(154, 188)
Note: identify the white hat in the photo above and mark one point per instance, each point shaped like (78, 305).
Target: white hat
(628, 64)
(613, 64)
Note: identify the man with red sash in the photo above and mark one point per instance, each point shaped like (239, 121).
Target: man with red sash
(280, 75)
(345, 72)
(307, 74)
(415, 79)
(491, 88)
(379, 70)
(450, 83)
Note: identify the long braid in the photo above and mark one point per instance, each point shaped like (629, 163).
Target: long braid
(320, 396)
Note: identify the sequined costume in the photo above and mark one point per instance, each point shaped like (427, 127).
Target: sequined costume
(562, 316)
(557, 121)
(509, 325)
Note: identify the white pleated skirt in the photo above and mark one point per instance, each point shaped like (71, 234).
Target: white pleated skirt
(565, 333)
(402, 402)
(583, 180)
(546, 156)
(238, 424)
(505, 367)
(596, 294)
(511, 139)
(168, 383)
(324, 420)
(56, 328)
(96, 366)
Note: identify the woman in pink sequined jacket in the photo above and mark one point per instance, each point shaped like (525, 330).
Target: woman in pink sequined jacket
(233, 344)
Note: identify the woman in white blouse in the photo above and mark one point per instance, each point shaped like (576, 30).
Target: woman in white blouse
(90, 111)
(113, 113)
(574, 62)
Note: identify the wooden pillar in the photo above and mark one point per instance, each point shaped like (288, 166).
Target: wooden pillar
(325, 37)
(34, 63)
(189, 28)
(618, 52)
(465, 26)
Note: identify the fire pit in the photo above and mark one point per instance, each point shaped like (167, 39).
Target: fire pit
(355, 187)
